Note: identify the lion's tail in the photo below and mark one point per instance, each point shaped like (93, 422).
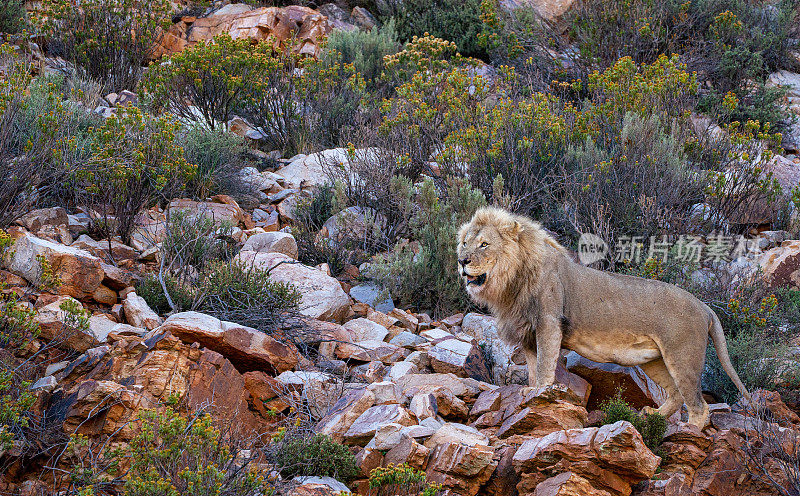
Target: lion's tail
(718, 338)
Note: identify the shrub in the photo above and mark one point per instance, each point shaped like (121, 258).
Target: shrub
(112, 40)
(219, 157)
(652, 427)
(192, 242)
(456, 20)
(37, 128)
(150, 289)
(314, 455)
(133, 158)
(206, 79)
(244, 294)
(401, 480)
(429, 279)
(365, 50)
(12, 16)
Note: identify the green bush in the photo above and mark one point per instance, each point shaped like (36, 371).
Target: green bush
(133, 159)
(204, 83)
(219, 157)
(12, 16)
(652, 427)
(112, 40)
(150, 289)
(401, 480)
(429, 279)
(365, 49)
(315, 455)
(458, 21)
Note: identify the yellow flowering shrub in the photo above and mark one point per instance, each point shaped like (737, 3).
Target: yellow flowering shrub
(112, 40)
(401, 480)
(133, 158)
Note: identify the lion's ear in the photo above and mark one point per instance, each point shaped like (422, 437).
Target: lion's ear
(513, 228)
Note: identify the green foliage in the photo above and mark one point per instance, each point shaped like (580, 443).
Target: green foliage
(219, 156)
(112, 40)
(401, 480)
(315, 455)
(174, 455)
(652, 427)
(133, 159)
(193, 241)
(429, 279)
(207, 78)
(12, 16)
(455, 20)
(365, 50)
(150, 289)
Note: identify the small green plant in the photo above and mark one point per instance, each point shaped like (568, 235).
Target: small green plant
(12, 16)
(401, 480)
(316, 455)
(150, 289)
(48, 279)
(652, 427)
(112, 40)
(365, 50)
(219, 157)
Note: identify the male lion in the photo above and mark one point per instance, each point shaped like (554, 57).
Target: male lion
(544, 301)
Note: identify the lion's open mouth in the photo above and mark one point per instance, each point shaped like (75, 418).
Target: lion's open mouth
(475, 280)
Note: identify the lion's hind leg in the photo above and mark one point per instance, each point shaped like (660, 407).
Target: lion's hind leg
(657, 371)
(686, 374)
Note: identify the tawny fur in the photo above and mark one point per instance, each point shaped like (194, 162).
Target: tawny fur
(544, 301)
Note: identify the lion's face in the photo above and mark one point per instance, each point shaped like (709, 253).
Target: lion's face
(480, 247)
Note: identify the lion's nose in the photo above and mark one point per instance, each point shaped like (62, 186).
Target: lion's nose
(464, 261)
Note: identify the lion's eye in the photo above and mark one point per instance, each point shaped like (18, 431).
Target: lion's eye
(484, 244)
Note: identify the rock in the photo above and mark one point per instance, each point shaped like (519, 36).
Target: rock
(684, 448)
(354, 223)
(311, 171)
(322, 297)
(219, 212)
(406, 319)
(401, 369)
(551, 10)
(47, 383)
(408, 451)
(99, 249)
(371, 350)
(117, 278)
(771, 400)
(80, 272)
(35, 219)
(365, 330)
(455, 433)
(364, 427)
(363, 18)
(138, 313)
(542, 411)
(484, 329)
(460, 358)
(781, 265)
(407, 339)
(373, 296)
(344, 413)
(385, 392)
(272, 242)
(388, 436)
(301, 26)
(53, 327)
(318, 486)
(462, 468)
(413, 382)
(247, 348)
(611, 457)
(606, 378)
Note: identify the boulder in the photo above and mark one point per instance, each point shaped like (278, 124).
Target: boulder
(484, 329)
(79, 271)
(541, 411)
(550, 10)
(301, 26)
(53, 326)
(344, 413)
(138, 313)
(364, 427)
(365, 329)
(607, 378)
(247, 348)
(119, 251)
(318, 486)
(272, 242)
(455, 433)
(311, 171)
(219, 212)
(461, 358)
(781, 265)
(611, 457)
(35, 219)
(373, 296)
(322, 297)
(371, 350)
(460, 467)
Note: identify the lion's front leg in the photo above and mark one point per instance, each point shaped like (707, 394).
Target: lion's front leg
(548, 346)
